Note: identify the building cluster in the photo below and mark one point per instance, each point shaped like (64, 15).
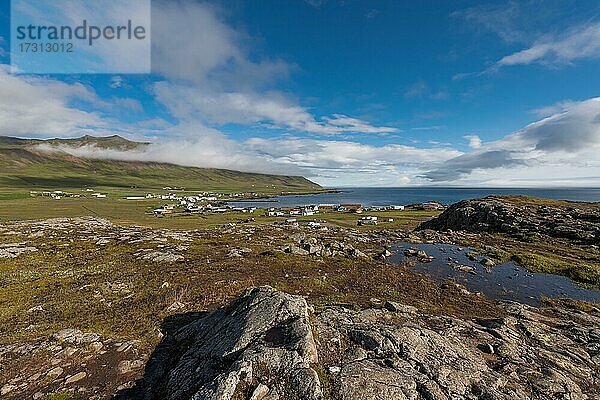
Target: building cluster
(59, 194)
(206, 196)
(202, 204)
(430, 205)
(212, 203)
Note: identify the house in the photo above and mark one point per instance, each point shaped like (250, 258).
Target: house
(400, 208)
(356, 208)
(327, 207)
(99, 195)
(295, 211)
(367, 221)
(162, 211)
(307, 212)
(291, 221)
(432, 205)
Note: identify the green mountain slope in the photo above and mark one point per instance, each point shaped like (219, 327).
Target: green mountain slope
(23, 165)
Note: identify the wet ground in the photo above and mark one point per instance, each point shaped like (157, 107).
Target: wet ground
(507, 281)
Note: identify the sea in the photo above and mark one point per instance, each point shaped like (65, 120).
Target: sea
(403, 196)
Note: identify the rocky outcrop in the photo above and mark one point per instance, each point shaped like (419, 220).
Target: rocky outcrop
(495, 214)
(378, 354)
(313, 246)
(14, 250)
(68, 361)
(260, 346)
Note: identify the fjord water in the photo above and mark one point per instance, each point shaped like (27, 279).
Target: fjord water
(403, 196)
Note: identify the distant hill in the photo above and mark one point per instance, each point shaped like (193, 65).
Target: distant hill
(24, 164)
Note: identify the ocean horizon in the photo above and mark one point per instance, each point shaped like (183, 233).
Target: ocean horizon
(379, 196)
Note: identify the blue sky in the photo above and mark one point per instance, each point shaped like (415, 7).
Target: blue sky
(383, 93)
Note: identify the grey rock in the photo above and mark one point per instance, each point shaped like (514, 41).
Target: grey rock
(160, 256)
(486, 262)
(293, 249)
(76, 378)
(401, 308)
(128, 366)
(529, 354)
(494, 214)
(264, 336)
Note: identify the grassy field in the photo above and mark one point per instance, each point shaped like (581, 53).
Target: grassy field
(109, 290)
(139, 212)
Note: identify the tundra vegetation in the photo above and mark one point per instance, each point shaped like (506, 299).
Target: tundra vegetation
(89, 287)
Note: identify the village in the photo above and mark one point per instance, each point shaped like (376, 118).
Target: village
(177, 203)
(212, 204)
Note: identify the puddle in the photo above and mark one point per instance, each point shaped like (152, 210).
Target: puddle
(507, 281)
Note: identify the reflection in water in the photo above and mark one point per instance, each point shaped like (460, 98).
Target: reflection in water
(507, 281)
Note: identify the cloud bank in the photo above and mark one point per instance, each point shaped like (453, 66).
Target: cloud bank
(570, 136)
(205, 89)
(576, 44)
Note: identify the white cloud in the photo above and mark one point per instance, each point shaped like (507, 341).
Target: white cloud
(126, 56)
(580, 43)
(502, 19)
(209, 54)
(3, 51)
(416, 90)
(326, 161)
(116, 82)
(574, 128)
(217, 80)
(39, 107)
(191, 145)
(568, 140)
(269, 109)
(316, 3)
(474, 141)
(222, 83)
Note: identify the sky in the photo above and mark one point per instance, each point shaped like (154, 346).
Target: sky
(344, 92)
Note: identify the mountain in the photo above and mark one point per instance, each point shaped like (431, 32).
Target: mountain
(42, 164)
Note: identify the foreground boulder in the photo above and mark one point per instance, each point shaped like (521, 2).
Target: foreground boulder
(575, 221)
(259, 347)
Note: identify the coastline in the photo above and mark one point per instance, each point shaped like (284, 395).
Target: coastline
(405, 196)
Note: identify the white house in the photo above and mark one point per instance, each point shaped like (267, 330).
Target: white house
(367, 221)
